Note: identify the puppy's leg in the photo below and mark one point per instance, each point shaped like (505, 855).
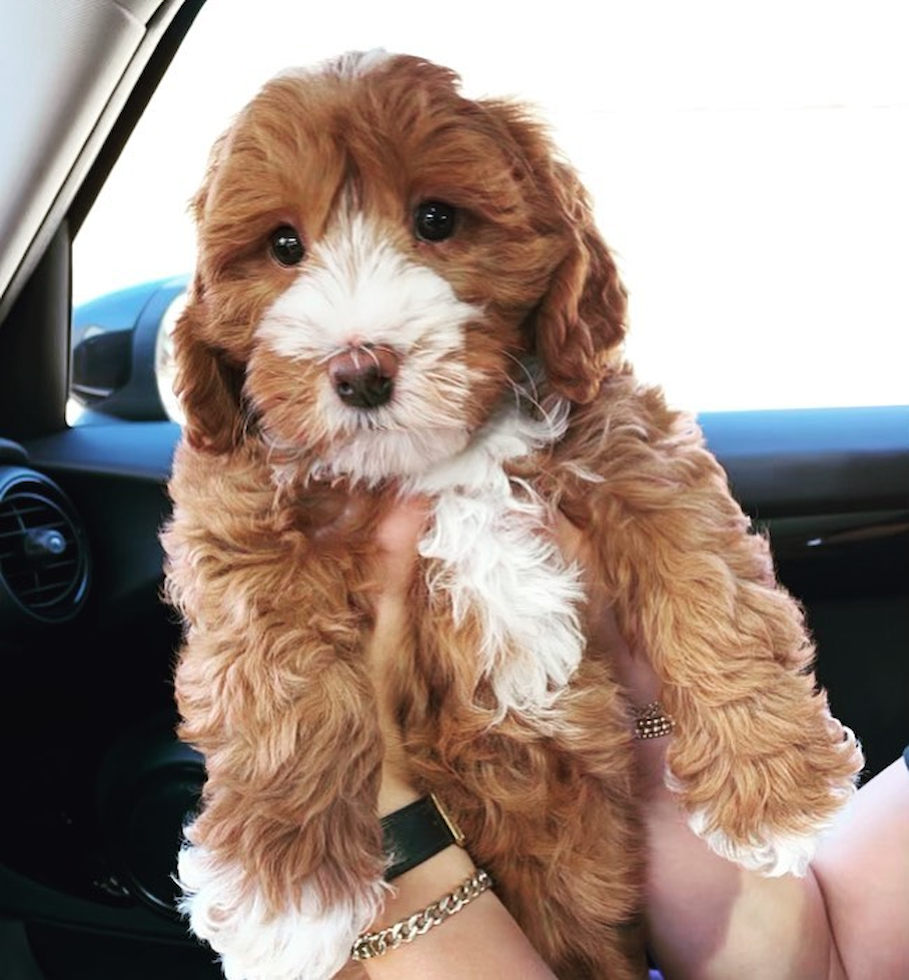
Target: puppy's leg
(548, 808)
(757, 759)
(283, 865)
(574, 866)
(543, 786)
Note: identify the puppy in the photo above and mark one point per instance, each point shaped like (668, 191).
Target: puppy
(400, 291)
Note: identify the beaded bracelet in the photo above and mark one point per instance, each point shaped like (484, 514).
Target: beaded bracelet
(651, 721)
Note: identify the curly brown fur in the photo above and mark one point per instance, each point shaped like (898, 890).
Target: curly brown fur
(507, 397)
(757, 754)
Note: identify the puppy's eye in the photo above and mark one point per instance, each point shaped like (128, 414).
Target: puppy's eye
(434, 221)
(286, 245)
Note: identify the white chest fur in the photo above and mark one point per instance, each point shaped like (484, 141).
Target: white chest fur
(496, 558)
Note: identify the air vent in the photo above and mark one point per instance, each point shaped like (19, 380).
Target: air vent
(44, 564)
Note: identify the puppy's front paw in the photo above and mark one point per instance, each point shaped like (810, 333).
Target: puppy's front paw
(310, 941)
(769, 813)
(768, 853)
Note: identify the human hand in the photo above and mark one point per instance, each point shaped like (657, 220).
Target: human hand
(631, 668)
(398, 535)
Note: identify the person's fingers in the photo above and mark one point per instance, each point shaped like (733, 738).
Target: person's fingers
(397, 537)
(632, 668)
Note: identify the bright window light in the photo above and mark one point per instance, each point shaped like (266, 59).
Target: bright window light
(748, 164)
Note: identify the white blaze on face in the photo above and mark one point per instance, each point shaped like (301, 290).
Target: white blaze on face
(354, 289)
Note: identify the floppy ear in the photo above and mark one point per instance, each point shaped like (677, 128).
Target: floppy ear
(208, 385)
(579, 326)
(209, 388)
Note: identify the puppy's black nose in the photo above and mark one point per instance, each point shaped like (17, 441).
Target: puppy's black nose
(364, 377)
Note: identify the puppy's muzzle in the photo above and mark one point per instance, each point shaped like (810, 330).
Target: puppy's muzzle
(364, 377)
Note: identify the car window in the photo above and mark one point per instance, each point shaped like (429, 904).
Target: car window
(747, 166)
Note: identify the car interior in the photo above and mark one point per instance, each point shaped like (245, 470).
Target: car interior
(97, 786)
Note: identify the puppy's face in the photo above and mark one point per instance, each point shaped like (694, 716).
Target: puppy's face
(374, 254)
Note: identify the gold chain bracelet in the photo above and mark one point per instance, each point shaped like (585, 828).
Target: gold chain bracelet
(372, 944)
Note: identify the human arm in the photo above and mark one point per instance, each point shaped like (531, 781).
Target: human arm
(848, 917)
(481, 941)
(862, 869)
(707, 918)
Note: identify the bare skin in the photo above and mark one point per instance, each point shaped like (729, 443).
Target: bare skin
(482, 941)
(707, 918)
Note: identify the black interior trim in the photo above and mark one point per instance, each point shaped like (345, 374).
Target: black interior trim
(781, 463)
(786, 462)
(36, 331)
(140, 450)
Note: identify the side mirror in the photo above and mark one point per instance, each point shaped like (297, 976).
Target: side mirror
(121, 352)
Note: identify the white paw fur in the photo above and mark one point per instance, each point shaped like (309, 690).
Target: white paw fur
(768, 853)
(309, 942)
